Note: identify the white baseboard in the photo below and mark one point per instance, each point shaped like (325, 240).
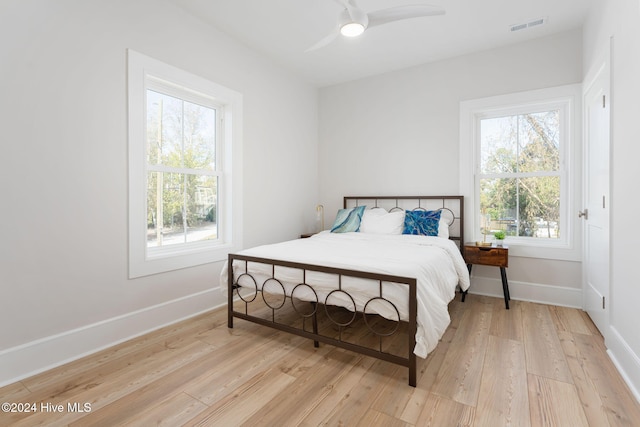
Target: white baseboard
(37, 356)
(532, 292)
(625, 360)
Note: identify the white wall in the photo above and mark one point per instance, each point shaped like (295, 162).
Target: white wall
(63, 215)
(398, 133)
(621, 20)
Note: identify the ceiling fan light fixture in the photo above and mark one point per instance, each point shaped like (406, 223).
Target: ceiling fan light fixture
(353, 21)
(352, 29)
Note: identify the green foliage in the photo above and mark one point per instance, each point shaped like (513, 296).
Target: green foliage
(514, 198)
(499, 235)
(180, 135)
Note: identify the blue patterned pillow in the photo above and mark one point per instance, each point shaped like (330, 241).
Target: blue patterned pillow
(421, 222)
(348, 220)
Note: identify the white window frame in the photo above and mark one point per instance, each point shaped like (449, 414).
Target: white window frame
(147, 73)
(568, 100)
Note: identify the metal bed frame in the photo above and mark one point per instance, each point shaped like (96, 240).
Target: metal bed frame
(454, 205)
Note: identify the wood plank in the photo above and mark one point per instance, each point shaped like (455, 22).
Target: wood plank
(554, 403)
(13, 392)
(589, 323)
(341, 393)
(112, 388)
(70, 372)
(439, 411)
(158, 387)
(292, 407)
(507, 324)
(232, 372)
(393, 397)
(569, 319)
(457, 378)
(176, 410)
(254, 394)
(373, 418)
(617, 402)
(72, 382)
(542, 345)
(503, 399)
(456, 308)
(428, 370)
(586, 388)
(358, 391)
(358, 400)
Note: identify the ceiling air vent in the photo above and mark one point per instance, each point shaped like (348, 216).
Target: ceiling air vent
(530, 24)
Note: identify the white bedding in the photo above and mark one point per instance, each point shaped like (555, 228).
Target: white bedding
(435, 262)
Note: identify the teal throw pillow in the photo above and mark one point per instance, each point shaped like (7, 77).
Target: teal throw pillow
(348, 220)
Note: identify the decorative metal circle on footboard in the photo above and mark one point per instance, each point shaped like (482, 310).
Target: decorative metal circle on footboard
(273, 295)
(314, 304)
(353, 309)
(240, 286)
(395, 322)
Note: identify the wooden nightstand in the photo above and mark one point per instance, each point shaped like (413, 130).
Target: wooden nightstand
(497, 256)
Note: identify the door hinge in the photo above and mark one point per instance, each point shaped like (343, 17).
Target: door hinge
(603, 101)
(603, 303)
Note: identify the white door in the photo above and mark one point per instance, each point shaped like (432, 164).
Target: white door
(596, 199)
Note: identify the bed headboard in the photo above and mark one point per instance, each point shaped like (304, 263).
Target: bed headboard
(452, 208)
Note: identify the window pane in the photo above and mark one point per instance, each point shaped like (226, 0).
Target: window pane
(498, 202)
(539, 210)
(498, 144)
(164, 129)
(202, 214)
(539, 142)
(165, 201)
(526, 207)
(168, 221)
(199, 136)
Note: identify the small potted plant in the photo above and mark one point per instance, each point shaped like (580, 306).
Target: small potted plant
(499, 236)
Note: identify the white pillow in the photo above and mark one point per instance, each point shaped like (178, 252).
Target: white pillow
(379, 221)
(443, 228)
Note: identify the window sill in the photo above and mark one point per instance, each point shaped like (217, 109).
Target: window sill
(555, 252)
(163, 264)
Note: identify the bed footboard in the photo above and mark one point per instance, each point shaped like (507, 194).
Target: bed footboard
(325, 317)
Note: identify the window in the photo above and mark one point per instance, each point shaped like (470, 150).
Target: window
(518, 169)
(184, 149)
(182, 172)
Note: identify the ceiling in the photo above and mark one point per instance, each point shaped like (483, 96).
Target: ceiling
(284, 29)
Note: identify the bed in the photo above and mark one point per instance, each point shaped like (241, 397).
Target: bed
(396, 286)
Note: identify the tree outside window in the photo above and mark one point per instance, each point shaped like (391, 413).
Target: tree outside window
(182, 182)
(520, 174)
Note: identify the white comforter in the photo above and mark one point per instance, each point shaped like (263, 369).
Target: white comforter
(435, 262)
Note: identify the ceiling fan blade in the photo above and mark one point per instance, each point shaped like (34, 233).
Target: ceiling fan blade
(347, 4)
(398, 13)
(325, 41)
(352, 9)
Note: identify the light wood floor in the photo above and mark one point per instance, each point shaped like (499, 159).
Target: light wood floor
(532, 365)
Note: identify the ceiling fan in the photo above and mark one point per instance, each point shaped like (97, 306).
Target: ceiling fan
(353, 21)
